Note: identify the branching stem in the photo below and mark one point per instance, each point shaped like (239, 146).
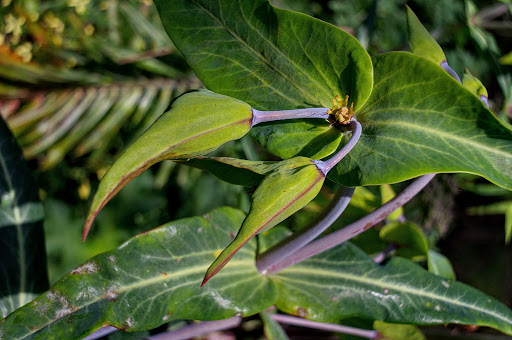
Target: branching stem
(326, 166)
(294, 320)
(198, 329)
(270, 116)
(353, 229)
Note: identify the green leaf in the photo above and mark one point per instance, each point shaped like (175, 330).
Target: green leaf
(232, 170)
(273, 59)
(419, 120)
(197, 123)
(151, 279)
(344, 282)
(421, 42)
(408, 238)
(391, 331)
(23, 273)
(474, 85)
(271, 328)
(506, 59)
(387, 194)
(440, 265)
(281, 193)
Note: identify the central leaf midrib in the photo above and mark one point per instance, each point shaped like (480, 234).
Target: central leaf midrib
(265, 61)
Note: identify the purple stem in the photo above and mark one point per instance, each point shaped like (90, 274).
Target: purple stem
(326, 166)
(100, 333)
(270, 116)
(383, 254)
(450, 71)
(308, 233)
(198, 329)
(353, 229)
(332, 327)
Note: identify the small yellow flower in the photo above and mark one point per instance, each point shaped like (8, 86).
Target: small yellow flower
(341, 113)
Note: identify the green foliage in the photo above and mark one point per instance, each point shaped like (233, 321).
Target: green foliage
(345, 282)
(292, 185)
(197, 123)
(164, 285)
(103, 82)
(421, 42)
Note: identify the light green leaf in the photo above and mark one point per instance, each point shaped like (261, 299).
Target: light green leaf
(151, 279)
(281, 193)
(273, 59)
(506, 59)
(344, 282)
(271, 328)
(408, 238)
(387, 194)
(421, 42)
(419, 120)
(392, 331)
(197, 123)
(22, 257)
(474, 85)
(440, 265)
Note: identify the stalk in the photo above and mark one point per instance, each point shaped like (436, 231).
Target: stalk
(353, 229)
(294, 320)
(307, 234)
(270, 116)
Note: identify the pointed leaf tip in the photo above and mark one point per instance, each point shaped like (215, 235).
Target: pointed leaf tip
(197, 123)
(421, 42)
(284, 191)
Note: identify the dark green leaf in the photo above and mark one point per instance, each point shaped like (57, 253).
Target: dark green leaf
(344, 282)
(272, 59)
(150, 280)
(232, 170)
(22, 257)
(419, 120)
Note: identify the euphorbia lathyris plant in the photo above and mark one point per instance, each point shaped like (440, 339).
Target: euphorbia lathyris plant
(398, 116)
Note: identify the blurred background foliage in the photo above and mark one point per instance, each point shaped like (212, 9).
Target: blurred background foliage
(81, 79)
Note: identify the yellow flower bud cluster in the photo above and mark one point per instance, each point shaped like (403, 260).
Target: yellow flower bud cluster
(341, 113)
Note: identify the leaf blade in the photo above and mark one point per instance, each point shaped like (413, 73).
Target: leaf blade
(150, 280)
(345, 282)
(406, 134)
(198, 122)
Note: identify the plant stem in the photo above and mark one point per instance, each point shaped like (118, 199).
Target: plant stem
(307, 234)
(383, 254)
(294, 320)
(326, 166)
(100, 333)
(198, 329)
(353, 229)
(270, 116)
(450, 71)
